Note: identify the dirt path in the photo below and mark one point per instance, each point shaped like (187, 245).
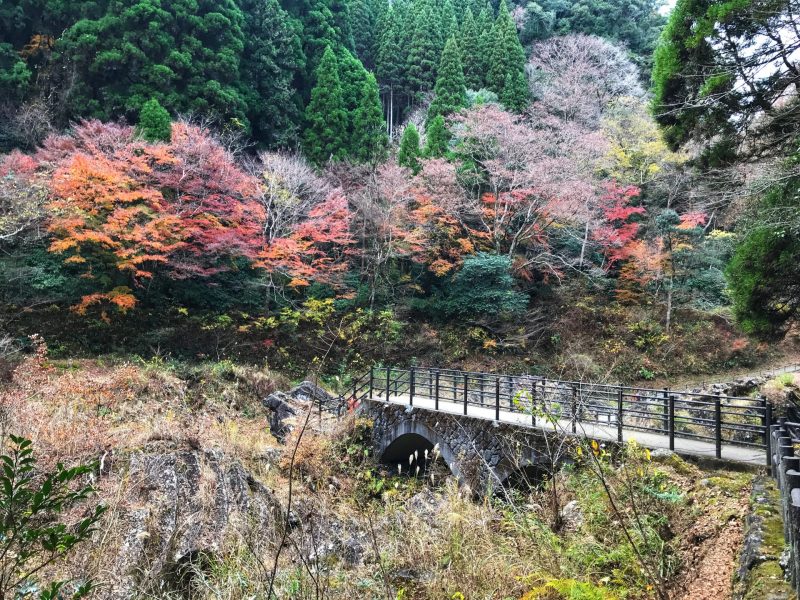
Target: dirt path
(711, 550)
(713, 562)
(787, 364)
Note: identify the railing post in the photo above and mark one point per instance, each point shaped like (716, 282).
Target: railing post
(768, 433)
(466, 393)
(619, 414)
(497, 399)
(436, 399)
(411, 386)
(388, 382)
(573, 409)
(718, 423)
(671, 421)
(666, 409)
(371, 380)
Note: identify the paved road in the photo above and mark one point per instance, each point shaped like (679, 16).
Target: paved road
(592, 430)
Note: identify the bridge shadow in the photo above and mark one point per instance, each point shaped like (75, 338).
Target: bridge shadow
(524, 478)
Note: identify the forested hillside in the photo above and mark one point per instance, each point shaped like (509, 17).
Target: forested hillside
(220, 219)
(444, 181)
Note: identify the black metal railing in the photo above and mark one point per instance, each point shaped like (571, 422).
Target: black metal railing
(712, 418)
(785, 460)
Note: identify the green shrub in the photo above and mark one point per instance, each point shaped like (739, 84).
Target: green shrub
(483, 287)
(33, 535)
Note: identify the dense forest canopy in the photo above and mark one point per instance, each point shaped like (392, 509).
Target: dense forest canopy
(251, 168)
(251, 64)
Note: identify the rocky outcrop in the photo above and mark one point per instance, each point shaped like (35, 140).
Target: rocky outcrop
(284, 406)
(181, 507)
(281, 408)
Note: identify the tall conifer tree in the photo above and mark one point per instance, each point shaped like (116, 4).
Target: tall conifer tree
(364, 28)
(486, 41)
(408, 155)
(507, 54)
(369, 131)
(437, 138)
(352, 77)
(451, 93)
(326, 118)
(423, 54)
(272, 61)
(516, 92)
(471, 60)
(449, 26)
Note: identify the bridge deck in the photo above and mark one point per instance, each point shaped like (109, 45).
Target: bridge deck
(590, 429)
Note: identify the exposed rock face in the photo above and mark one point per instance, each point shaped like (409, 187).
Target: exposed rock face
(309, 391)
(183, 505)
(738, 387)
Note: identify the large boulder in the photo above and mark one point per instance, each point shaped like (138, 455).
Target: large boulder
(308, 391)
(283, 407)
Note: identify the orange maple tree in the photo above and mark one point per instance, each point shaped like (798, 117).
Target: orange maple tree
(125, 211)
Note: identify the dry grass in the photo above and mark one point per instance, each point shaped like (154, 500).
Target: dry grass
(78, 410)
(411, 539)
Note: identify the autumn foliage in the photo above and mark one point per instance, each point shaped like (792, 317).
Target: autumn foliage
(125, 211)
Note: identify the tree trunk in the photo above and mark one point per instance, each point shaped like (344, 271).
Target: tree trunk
(583, 245)
(668, 320)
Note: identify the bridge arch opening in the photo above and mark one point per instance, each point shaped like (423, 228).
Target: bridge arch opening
(409, 451)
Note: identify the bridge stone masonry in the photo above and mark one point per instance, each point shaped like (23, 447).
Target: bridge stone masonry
(480, 455)
(488, 426)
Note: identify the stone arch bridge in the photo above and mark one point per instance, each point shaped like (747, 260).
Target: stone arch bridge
(489, 427)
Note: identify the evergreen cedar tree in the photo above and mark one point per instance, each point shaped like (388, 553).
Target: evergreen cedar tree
(344, 119)
(155, 124)
(437, 138)
(273, 58)
(408, 155)
(450, 91)
(424, 52)
(370, 143)
(507, 54)
(326, 129)
(516, 93)
(469, 44)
